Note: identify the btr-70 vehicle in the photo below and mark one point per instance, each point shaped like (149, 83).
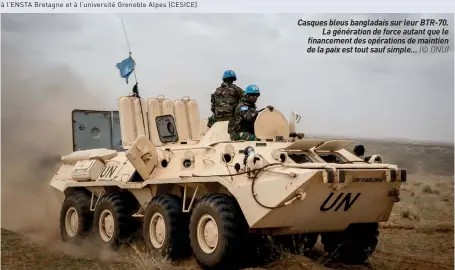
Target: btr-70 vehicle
(190, 188)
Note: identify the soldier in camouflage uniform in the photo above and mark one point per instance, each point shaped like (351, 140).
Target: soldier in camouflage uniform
(225, 98)
(241, 124)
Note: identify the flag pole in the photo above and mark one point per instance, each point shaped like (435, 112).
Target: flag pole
(136, 87)
(129, 48)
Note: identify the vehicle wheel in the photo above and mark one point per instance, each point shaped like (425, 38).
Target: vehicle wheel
(354, 245)
(114, 223)
(217, 227)
(75, 217)
(165, 227)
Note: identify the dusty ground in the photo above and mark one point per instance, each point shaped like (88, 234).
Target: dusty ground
(419, 234)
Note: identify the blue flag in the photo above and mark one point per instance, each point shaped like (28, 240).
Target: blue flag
(126, 67)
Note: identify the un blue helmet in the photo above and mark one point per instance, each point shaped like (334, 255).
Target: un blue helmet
(229, 74)
(252, 89)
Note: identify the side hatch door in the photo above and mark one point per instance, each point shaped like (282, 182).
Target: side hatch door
(96, 129)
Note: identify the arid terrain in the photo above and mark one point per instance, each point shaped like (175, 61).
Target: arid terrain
(419, 234)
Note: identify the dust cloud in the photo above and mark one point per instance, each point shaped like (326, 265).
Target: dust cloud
(37, 100)
(36, 131)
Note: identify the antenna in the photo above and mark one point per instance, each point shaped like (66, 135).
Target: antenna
(136, 87)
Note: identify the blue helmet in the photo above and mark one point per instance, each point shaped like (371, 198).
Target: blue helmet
(229, 74)
(252, 89)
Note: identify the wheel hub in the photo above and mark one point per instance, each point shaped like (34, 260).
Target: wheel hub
(71, 222)
(207, 234)
(157, 230)
(106, 225)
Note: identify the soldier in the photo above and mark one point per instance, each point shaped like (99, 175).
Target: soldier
(241, 124)
(225, 98)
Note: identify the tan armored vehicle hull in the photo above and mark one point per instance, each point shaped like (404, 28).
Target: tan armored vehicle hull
(194, 189)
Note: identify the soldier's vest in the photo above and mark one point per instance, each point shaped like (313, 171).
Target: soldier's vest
(236, 123)
(225, 102)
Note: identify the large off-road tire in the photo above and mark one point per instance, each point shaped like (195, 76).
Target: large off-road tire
(217, 228)
(299, 244)
(113, 221)
(75, 217)
(165, 227)
(354, 245)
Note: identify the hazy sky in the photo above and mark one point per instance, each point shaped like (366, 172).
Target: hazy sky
(398, 96)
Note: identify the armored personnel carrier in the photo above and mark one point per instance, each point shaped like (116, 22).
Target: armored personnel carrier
(190, 188)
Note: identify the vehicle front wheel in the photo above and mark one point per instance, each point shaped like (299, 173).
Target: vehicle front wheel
(354, 245)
